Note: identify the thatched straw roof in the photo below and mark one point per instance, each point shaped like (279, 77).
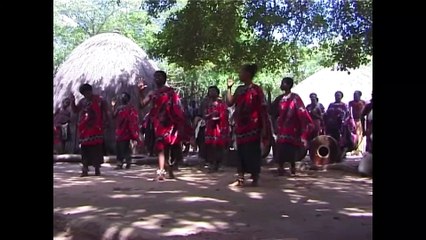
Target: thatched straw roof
(326, 82)
(109, 62)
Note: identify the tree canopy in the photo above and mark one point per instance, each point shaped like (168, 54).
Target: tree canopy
(272, 33)
(201, 43)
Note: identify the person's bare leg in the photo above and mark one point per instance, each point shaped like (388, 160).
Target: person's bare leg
(161, 162)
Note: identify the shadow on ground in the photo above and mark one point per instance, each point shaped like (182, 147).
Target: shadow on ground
(314, 205)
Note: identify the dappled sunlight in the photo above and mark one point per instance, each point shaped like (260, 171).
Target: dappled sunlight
(344, 187)
(199, 180)
(61, 181)
(323, 210)
(184, 223)
(164, 191)
(315, 202)
(344, 184)
(356, 212)
(108, 181)
(117, 196)
(235, 189)
(80, 209)
(295, 198)
(191, 227)
(200, 199)
(193, 214)
(255, 195)
(358, 179)
(110, 232)
(227, 213)
(152, 222)
(140, 211)
(200, 202)
(288, 191)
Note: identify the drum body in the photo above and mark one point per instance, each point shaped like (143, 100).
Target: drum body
(324, 150)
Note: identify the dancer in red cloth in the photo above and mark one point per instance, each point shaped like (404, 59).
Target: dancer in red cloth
(127, 129)
(294, 126)
(217, 128)
(93, 119)
(169, 122)
(252, 123)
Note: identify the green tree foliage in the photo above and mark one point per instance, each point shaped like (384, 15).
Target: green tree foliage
(200, 43)
(268, 32)
(198, 36)
(77, 20)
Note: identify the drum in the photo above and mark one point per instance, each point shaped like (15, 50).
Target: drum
(324, 150)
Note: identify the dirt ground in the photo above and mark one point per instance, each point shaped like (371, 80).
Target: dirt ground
(311, 206)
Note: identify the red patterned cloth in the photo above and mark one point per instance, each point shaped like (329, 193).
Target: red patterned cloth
(251, 116)
(217, 130)
(168, 118)
(90, 126)
(294, 122)
(127, 123)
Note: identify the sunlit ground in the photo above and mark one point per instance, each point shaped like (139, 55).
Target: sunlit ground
(314, 205)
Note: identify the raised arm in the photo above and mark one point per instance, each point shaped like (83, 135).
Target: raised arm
(144, 100)
(229, 97)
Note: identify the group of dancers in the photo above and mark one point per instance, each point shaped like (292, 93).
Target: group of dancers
(252, 122)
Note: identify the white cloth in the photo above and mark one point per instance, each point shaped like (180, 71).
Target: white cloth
(366, 164)
(200, 124)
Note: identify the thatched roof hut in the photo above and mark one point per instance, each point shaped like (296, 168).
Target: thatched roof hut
(111, 63)
(327, 81)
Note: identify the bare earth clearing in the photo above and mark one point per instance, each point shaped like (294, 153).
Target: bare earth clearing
(314, 205)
